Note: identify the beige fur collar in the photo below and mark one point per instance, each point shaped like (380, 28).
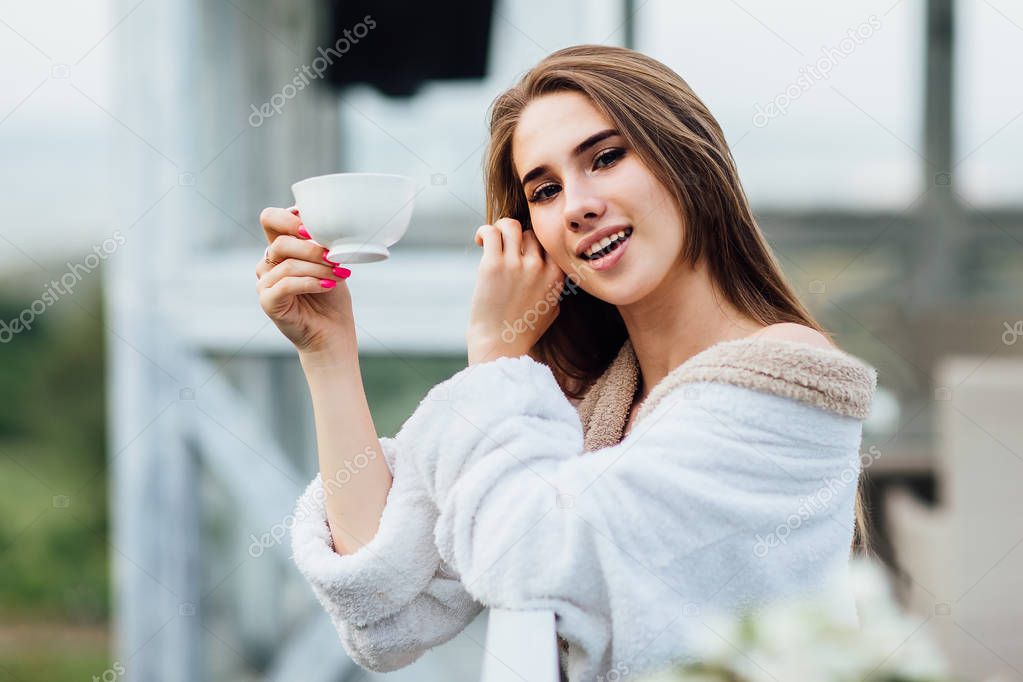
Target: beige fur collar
(823, 377)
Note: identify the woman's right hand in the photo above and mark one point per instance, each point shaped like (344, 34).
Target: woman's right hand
(304, 294)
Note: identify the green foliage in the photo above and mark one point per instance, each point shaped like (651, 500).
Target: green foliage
(47, 663)
(395, 385)
(19, 362)
(53, 507)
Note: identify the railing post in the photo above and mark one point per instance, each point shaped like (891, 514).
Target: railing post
(521, 645)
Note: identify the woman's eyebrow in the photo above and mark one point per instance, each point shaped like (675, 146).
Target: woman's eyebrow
(579, 149)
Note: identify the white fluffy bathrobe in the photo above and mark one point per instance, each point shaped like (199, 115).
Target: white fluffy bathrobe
(735, 486)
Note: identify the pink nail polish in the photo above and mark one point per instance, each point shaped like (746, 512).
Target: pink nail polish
(327, 283)
(342, 272)
(328, 260)
(302, 232)
(294, 210)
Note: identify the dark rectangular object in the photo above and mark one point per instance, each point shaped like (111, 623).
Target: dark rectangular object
(397, 46)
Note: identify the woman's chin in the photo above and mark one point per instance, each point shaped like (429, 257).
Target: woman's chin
(619, 294)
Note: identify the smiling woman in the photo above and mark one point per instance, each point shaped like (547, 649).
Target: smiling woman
(641, 151)
(620, 456)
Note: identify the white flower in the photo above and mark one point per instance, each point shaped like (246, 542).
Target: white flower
(812, 639)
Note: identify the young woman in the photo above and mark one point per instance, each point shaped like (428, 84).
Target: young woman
(651, 426)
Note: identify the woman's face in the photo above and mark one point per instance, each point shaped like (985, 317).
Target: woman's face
(582, 181)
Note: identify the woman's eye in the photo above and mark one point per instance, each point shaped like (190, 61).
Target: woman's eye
(539, 193)
(545, 192)
(610, 156)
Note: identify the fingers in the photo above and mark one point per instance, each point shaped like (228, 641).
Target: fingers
(278, 298)
(277, 221)
(286, 246)
(503, 239)
(533, 253)
(554, 273)
(489, 237)
(511, 237)
(531, 245)
(293, 267)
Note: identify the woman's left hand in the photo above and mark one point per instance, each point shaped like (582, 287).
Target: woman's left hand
(518, 289)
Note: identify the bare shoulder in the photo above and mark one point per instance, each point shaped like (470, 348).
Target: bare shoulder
(791, 331)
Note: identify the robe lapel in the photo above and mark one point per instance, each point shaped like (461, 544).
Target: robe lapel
(604, 409)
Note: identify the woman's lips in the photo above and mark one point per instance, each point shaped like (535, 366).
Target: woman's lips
(611, 259)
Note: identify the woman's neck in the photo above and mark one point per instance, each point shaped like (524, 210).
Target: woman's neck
(684, 316)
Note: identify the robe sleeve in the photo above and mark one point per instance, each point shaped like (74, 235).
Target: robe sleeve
(393, 598)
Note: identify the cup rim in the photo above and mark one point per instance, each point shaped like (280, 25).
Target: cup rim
(315, 178)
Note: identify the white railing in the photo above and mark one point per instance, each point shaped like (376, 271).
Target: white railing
(521, 645)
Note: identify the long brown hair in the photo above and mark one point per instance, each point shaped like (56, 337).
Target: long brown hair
(677, 138)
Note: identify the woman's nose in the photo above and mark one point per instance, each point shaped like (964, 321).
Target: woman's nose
(581, 208)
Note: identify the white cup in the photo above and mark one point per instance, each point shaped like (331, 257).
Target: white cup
(357, 216)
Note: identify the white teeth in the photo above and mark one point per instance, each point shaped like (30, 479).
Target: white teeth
(618, 236)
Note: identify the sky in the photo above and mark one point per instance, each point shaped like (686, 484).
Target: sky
(55, 162)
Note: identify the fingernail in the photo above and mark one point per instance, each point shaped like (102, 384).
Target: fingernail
(294, 210)
(325, 251)
(302, 232)
(327, 283)
(342, 272)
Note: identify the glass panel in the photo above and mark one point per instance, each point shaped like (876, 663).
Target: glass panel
(820, 101)
(989, 130)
